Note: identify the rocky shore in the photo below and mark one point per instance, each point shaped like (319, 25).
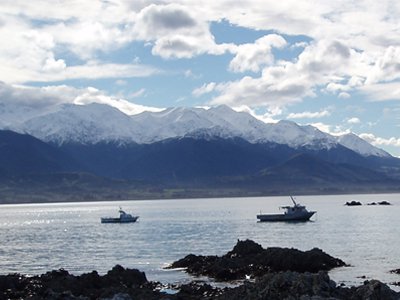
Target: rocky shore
(279, 273)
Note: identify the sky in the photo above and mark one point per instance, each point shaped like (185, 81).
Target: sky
(331, 64)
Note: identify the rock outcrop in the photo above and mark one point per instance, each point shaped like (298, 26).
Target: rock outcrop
(250, 259)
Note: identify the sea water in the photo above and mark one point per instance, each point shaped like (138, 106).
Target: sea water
(36, 238)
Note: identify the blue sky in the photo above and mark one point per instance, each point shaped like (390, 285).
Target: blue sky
(333, 65)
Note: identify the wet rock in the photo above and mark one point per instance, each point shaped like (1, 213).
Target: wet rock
(396, 271)
(249, 259)
(353, 203)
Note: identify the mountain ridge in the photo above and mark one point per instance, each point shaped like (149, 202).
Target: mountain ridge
(94, 123)
(31, 169)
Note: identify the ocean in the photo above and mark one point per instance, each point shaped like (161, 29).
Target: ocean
(36, 238)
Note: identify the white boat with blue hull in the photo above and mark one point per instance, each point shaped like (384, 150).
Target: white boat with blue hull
(295, 213)
(123, 218)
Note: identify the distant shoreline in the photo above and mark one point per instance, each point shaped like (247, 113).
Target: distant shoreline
(186, 195)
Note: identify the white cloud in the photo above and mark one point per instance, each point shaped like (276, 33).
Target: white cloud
(331, 129)
(386, 67)
(44, 99)
(350, 46)
(378, 141)
(251, 57)
(354, 120)
(57, 71)
(344, 95)
(270, 116)
(177, 31)
(204, 89)
(92, 95)
(382, 91)
(309, 115)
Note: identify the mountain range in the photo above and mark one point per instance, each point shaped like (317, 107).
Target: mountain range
(96, 151)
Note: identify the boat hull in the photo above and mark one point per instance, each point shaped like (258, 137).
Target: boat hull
(118, 220)
(305, 216)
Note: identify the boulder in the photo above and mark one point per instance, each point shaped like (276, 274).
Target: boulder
(374, 290)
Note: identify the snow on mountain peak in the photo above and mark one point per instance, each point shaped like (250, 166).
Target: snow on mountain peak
(93, 123)
(294, 135)
(360, 146)
(90, 123)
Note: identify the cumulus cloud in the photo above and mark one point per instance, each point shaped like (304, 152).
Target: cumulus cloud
(176, 31)
(252, 57)
(39, 100)
(349, 46)
(386, 67)
(381, 91)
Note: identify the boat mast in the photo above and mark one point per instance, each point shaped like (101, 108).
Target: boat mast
(295, 204)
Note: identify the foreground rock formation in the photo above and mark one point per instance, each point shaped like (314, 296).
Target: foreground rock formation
(62, 285)
(280, 274)
(250, 259)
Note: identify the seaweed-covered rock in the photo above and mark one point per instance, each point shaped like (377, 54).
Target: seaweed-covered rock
(249, 259)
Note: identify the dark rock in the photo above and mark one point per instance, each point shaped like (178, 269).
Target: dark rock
(285, 285)
(59, 284)
(249, 259)
(127, 277)
(353, 203)
(125, 284)
(195, 290)
(384, 203)
(396, 271)
(374, 290)
(293, 285)
(372, 203)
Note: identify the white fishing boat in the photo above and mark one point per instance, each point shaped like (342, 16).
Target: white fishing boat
(296, 212)
(123, 218)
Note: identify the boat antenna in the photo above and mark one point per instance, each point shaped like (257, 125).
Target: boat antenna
(295, 204)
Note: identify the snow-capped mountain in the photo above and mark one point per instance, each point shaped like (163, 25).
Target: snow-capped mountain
(93, 123)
